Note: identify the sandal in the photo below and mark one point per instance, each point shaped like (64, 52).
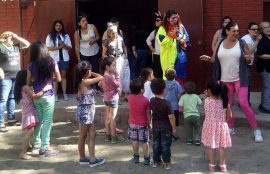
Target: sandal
(25, 157)
(223, 168)
(211, 167)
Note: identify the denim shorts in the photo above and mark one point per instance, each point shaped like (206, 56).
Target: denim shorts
(63, 65)
(112, 104)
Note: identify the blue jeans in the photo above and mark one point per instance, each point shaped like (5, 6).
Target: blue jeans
(141, 60)
(265, 98)
(7, 99)
(162, 141)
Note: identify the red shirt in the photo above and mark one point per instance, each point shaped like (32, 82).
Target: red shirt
(138, 107)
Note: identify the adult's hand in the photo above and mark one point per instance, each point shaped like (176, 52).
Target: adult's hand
(205, 58)
(2, 74)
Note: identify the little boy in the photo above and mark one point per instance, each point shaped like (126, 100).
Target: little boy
(139, 120)
(190, 102)
(163, 123)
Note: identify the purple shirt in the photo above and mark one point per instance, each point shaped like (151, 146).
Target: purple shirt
(38, 85)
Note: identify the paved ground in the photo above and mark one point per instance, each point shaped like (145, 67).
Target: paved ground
(245, 156)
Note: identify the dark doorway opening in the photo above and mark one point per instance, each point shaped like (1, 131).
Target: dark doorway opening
(100, 11)
(266, 9)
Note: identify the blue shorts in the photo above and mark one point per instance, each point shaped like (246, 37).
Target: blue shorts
(63, 65)
(112, 104)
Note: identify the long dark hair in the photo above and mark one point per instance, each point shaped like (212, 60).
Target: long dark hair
(20, 81)
(219, 89)
(145, 73)
(80, 71)
(228, 28)
(43, 64)
(107, 62)
(79, 18)
(166, 21)
(53, 33)
(223, 19)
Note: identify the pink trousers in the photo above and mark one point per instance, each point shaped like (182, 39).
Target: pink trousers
(242, 95)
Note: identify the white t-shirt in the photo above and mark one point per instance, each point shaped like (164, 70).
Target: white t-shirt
(147, 90)
(55, 54)
(149, 42)
(250, 42)
(85, 48)
(229, 61)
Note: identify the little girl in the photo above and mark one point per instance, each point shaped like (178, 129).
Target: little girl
(86, 112)
(215, 132)
(111, 88)
(23, 94)
(147, 76)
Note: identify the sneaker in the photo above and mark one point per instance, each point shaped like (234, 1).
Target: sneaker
(47, 153)
(156, 164)
(65, 97)
(119, 131)
(108, 138)
(136, 158)
(211, 167)
(146, 161)
(97, 162)
(56, 98)
(35, 150)
(84, 161)
(222, 168)
(12, 119)
(258, 136)
(189, 142)
(117, 139)
(3, 128)
(175, 139)
(232, 131)
(197, 142)
(167, 166)
(263, 110)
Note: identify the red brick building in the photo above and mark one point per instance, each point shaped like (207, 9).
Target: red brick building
(32, 19)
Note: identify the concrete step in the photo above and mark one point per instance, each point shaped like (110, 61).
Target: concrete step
(65, 111)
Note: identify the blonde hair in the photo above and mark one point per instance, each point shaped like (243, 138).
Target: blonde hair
(5, 35)
(111, 29)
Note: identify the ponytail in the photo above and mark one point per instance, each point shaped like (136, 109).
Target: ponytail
(224, 94)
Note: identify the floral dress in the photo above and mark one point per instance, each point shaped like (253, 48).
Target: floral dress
(215, 132)
(29, 114)
(86, 107)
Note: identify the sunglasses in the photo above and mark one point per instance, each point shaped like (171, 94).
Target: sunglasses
(158, 20)
(254, 29)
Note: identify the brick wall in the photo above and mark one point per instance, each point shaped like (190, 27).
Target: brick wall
(242, 12)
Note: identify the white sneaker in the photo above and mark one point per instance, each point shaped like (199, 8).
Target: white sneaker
(232, 131)
(258, 136)
(65, 97)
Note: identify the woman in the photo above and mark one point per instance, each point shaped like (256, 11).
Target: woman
(42, 69)
(85, 39)
(218, 34)
(114, 47)
(155, 48)
(58, 43)
(10, 64)
(252, 40)
(231, 58)
(174, 40)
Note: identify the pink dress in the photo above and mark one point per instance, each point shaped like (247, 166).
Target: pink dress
(29, 115)
(215, 132)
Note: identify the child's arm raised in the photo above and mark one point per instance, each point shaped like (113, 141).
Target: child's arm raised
(96, 79)
(172, 121)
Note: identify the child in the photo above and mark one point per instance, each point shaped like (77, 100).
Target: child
(111, 88)
(173, 93)
(163, 122)
(86, 112)
(23, 94)
(190, 102)
(147, 75)
(215, 132)
(139, 120)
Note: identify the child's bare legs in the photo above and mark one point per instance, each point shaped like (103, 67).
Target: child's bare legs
(83, 130)
(25, 144)
(221, 156)
(112, 115)
(212, 155)
(91, 143)
(145, 147)
(107, 121)
(135, 147)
